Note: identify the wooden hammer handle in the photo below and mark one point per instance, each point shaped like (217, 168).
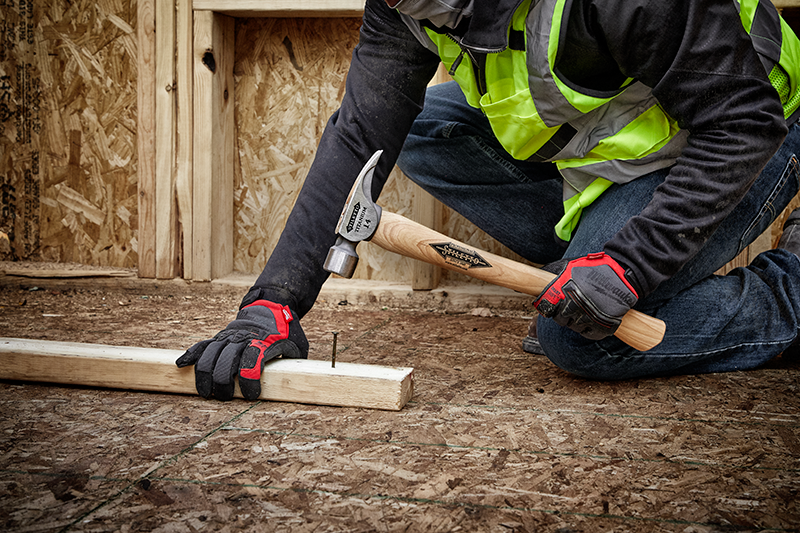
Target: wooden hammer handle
(402, 236)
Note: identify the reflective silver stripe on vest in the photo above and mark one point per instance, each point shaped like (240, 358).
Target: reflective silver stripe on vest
(594, 126)
(622, 171)
(552, 105)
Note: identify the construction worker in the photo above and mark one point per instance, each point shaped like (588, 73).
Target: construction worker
(633, 147)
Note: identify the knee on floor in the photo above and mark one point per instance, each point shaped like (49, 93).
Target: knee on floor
(571, 352)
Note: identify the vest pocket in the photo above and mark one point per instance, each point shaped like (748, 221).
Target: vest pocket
(516, 123)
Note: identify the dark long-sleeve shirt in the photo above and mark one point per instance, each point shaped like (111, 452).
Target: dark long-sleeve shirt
(694, 54)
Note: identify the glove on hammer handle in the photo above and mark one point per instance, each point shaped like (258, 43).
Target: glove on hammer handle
(400, 235)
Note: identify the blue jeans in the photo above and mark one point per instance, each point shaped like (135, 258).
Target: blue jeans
(714, 323)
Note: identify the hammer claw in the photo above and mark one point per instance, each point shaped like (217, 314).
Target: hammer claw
(357, 223)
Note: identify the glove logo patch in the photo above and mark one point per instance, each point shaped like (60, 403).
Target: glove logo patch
(459, 256)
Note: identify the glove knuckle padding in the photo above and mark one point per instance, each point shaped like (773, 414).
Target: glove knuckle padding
(609, 293)
(193, 354)
(204, 368)
(225, 371)
(260, 332)
(589, 296)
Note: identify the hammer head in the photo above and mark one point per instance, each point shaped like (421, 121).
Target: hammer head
(358, 222)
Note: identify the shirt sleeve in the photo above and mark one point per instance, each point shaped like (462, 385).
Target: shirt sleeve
(702, 68)
(385, 89)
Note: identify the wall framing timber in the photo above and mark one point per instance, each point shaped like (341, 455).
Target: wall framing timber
(186, 129)
(213, 141)
(146, 137)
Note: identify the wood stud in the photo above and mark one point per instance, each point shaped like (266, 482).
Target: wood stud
(150, 369)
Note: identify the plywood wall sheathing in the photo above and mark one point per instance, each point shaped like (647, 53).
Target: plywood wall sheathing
(68, 144)
(289, 79)
(290, 76)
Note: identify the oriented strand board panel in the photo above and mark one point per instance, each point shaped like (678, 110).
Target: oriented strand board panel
(68, 113)
(21, 140)
(290, 76)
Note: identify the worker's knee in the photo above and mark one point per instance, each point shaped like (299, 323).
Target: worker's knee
(572, 352)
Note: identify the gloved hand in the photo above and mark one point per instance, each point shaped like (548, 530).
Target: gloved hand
(261, 332)
(589, 295)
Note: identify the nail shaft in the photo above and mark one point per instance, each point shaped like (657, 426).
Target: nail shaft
(333, 354)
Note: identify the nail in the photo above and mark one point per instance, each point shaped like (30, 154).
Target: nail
(333, 354)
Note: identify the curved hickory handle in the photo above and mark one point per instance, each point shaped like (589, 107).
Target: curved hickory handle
(400, 235)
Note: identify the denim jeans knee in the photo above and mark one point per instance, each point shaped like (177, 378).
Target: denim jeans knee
(574, 354)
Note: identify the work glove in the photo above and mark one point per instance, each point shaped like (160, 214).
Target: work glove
(589, 295)
(261, 332)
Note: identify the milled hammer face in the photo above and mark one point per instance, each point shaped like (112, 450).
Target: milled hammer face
(358, 222)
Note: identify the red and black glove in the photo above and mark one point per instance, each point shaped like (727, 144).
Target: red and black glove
(261, 332)
(590, 295)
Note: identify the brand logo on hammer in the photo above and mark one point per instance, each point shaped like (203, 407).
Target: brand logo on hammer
(460, 257)
(353, 216)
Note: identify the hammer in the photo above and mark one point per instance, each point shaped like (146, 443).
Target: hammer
(362, 219)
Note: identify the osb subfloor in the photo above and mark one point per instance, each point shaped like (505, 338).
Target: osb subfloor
(494, 439)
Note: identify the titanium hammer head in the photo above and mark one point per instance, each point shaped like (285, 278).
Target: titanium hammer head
(358, 222)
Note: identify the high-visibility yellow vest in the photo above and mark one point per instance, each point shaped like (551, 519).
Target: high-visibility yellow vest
(593, 140)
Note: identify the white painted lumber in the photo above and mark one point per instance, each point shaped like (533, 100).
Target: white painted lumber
(149, 369)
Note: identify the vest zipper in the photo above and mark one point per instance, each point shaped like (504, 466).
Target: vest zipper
(456, 63)
(478, 67)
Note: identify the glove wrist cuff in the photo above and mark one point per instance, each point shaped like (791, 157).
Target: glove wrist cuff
(630, 276)
(270, 294)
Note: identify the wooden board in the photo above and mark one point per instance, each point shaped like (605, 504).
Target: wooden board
(184, 76)
(150, 369)
(283, 8)
(427, 211)
(145, 136)
(67, 273)
(213, 146)
(166, 115)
